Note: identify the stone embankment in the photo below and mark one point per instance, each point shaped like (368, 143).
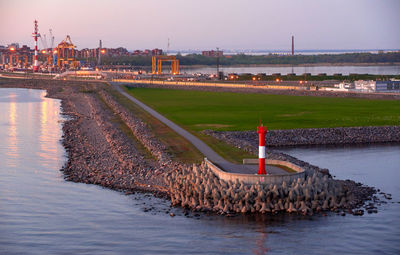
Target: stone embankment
(197, 188)
(313, 136)
(100, 153)
(139, 128)
(143, 134)
(130, 170)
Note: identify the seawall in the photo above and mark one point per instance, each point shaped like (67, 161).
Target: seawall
(312, 136)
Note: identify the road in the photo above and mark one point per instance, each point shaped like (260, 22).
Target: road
(207, 151)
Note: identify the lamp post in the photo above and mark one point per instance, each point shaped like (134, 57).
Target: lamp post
(217, 63)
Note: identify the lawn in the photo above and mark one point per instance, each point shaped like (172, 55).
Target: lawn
(199, 110)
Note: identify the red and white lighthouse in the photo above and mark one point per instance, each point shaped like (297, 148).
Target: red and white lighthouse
(261, 149)
(35, 36)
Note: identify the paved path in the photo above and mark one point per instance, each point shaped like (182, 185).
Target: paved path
(208, 152)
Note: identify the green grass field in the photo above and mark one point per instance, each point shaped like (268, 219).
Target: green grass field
(198, 110)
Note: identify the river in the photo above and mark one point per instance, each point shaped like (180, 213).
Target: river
(299, 70)
(40, 213)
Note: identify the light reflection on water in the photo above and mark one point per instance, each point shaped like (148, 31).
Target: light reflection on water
(49, 115)
(40, 213)
(12, 153)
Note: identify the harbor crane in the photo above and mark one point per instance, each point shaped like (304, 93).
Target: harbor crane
(66, 54)
(157, 64)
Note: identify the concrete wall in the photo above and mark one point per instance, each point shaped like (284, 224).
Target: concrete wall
(253, 178)
(274, 162)
(210, 84)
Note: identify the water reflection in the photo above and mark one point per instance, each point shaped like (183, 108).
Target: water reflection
(45, 148)
(48, 130)
(261, 243)
(20, 110)
(12, 151)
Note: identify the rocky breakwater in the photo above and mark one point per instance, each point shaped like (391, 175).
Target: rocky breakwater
(146, 137)
(100, 152)
(311, 136)
(139, 128)
(197, 188)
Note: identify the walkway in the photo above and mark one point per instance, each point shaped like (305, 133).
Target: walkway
(208, 152)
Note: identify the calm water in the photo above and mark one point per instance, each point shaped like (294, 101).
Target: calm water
(299, 70)
(40, 213)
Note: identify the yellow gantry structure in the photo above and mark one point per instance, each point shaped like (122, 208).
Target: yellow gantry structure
(157, 64)
(14, 59)
(66, 54)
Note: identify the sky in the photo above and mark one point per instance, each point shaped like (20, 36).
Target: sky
(207, 24)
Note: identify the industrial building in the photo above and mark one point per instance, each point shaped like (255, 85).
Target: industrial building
(343, 86)
(212, 53)
(389, 86)
(377, 86)
(116, 52)
(12, 56)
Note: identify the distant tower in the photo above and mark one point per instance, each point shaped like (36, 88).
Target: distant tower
(35, 36)
(217, 62)
(292, 45)
(168, 47)
(99, 58)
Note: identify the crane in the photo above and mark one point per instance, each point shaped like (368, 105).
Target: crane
(51, 46)
(46, 51)
(43, 39)
(51, 38)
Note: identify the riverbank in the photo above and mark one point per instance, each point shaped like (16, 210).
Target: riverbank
(271, 59)
(185, 67)
(100, 152)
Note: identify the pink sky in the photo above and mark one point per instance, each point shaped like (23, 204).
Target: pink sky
(206, 24)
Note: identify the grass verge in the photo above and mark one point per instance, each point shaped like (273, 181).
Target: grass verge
(225, 150)
(179, 148)
(288, 169)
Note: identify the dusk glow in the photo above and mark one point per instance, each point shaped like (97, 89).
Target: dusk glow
(237, 24)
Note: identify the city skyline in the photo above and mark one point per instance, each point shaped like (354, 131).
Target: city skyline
(236, 25)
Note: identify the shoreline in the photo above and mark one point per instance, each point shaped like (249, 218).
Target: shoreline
(100, 153)
(290, 65)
